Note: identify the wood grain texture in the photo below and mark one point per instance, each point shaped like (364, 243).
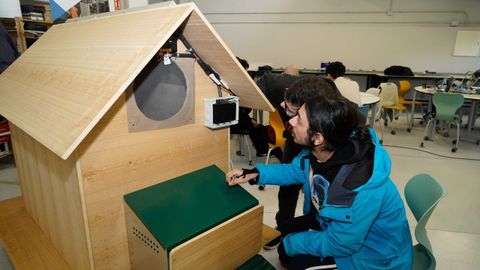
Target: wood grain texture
(208, 44)
(115, 162)
(60, 88)
(64, 83)
(142, 255)
(226, 246)
(268, 234)
(51, 191)
(66, 93)
(22, 43)
(27, 246)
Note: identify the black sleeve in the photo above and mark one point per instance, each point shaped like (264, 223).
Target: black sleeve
(254, 181)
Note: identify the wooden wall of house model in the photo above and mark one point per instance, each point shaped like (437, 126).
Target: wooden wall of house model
(65, 99)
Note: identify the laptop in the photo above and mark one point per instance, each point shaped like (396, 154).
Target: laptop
(476, 84)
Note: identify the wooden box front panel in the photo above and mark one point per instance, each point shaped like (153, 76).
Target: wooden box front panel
(227, 246)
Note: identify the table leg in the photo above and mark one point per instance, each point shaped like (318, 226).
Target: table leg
(413, 110)
(373, 107)
(471, 117)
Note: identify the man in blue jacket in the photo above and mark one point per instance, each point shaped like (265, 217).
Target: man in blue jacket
(353, 212)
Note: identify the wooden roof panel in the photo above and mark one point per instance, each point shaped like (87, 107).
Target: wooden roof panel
(60, 88)
(210, 47)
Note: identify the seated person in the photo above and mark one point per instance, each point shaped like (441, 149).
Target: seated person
(348, 88)
(273, 85)
(258, 133)
(353, 212)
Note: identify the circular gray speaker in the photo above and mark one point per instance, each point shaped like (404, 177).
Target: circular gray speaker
(160, 90)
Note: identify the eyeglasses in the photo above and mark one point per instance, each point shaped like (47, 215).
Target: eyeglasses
(290, 110)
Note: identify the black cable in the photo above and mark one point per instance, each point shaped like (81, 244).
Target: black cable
(209, 71)
(428, 152)
(228, 90)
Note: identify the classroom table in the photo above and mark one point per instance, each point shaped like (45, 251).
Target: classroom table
(473, 97)
(371, 100)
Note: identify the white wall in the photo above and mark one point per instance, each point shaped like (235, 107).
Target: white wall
(364, 34)
(10, 9)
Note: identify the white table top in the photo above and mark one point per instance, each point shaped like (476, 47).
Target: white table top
(431, 91)
(367, 98)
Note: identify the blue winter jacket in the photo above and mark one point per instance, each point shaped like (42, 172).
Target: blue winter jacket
(371, 233)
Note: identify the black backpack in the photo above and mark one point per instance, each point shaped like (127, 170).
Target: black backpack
(398, 71)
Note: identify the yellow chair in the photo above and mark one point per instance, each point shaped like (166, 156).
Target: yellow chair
(390, 101)
(278, 127)
(404, 88)
(276, 123)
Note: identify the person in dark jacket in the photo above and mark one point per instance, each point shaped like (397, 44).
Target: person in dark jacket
(257, 132)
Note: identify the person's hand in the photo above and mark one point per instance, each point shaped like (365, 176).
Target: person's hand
(237, 176)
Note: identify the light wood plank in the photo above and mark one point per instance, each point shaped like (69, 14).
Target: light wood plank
(69, 85)
(27, 246)
(51, 191)
(10, 206)
(208, 44)
(64, 83)
(268, 234)
(226, 246)
(20, 34)
(60, 88)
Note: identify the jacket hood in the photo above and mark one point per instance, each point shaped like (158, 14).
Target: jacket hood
(381, 165)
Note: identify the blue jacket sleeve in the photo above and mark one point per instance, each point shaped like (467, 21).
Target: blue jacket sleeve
(283, 174)
(344, 234)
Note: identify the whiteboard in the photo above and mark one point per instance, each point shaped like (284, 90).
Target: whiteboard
(467, 43)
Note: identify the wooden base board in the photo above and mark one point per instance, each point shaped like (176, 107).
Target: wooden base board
(27, 246)
(268, 234)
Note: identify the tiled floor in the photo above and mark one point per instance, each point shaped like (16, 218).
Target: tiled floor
(454, 227)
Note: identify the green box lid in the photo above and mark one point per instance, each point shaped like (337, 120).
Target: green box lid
(179, 209)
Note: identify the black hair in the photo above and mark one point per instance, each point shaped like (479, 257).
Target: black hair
(262, 70)
(337, 119)
(335, 69)
(243, 62)
(307, 88)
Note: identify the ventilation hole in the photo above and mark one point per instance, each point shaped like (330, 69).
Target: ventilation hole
(160, 90)
(147, 241)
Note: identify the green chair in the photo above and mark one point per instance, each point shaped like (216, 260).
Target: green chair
(422, 194)
(446, 105)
